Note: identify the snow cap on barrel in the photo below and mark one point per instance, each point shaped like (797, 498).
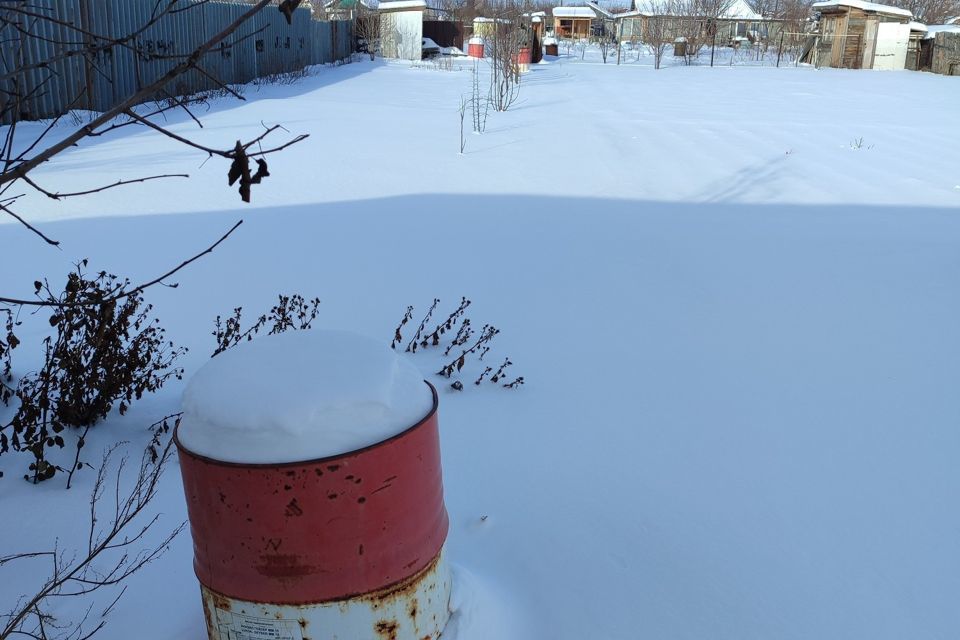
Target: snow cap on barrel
(300, 395)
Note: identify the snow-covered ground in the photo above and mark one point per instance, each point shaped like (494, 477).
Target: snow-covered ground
(733, 293)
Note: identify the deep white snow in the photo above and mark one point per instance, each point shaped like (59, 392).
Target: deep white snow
(299, 396)
(733, 294)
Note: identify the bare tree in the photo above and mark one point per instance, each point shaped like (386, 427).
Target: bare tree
(607, 38)
(659, 34)
(366, 26)
(697, 23)
(932, 11)
(509, 34)
(793, 24)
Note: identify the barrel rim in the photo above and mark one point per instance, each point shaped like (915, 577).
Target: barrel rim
(273, 465)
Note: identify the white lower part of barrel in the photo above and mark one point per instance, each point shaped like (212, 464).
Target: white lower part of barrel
(414, 609)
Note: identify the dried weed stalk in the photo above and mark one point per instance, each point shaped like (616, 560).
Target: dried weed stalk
(465, 342)
(290, 312)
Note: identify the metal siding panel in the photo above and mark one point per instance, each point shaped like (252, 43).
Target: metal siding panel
(119, 72)
(65, 97)
(34, 79)
(6, 66)
(103, 70)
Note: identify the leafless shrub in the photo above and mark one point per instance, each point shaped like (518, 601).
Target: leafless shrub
(479, 104)
(510, 33)
(105, 350)
(366, 27)
(659, 35)
(118, 525)
(283, 78)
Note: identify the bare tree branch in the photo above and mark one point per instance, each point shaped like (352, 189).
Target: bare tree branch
(119, 183)
(124, 106)
(7, 210)
(124, 294)
(79, 576)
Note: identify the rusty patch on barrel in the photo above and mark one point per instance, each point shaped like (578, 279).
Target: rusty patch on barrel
(220, 601)
(387, 629)
(406, 588)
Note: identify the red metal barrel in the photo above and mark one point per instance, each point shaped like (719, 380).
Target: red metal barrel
(475, 47)
(349, 545)
(318, 530)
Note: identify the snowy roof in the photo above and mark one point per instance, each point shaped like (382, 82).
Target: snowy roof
(349, 4)
(917, 26)
(866, 6)
(738, 10)
(934, 29)
(400, 5)
(610, 7)
(598, 9)
(574, 12)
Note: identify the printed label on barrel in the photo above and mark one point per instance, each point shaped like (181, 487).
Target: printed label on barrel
(237, 626)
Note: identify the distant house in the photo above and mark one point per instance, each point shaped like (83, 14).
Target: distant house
(737, 21)
(854, 34)
(484, 27)
(347, 9)
(573, 22)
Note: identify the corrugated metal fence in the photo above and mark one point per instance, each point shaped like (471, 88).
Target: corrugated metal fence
(45, 70)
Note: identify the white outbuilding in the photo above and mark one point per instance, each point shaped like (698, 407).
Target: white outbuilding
(401, 28)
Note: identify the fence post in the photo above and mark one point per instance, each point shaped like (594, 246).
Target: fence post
(780, 49)
(334, 28)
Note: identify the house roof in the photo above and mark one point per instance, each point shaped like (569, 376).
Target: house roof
(349, 4)
(599, 10)
(738, 10)
(866, 6)
(401, 5)
(611, 6)
(574, 12)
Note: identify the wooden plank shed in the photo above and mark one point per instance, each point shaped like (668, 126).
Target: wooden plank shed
(940, 50)
(861, 35)
(573, 22)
